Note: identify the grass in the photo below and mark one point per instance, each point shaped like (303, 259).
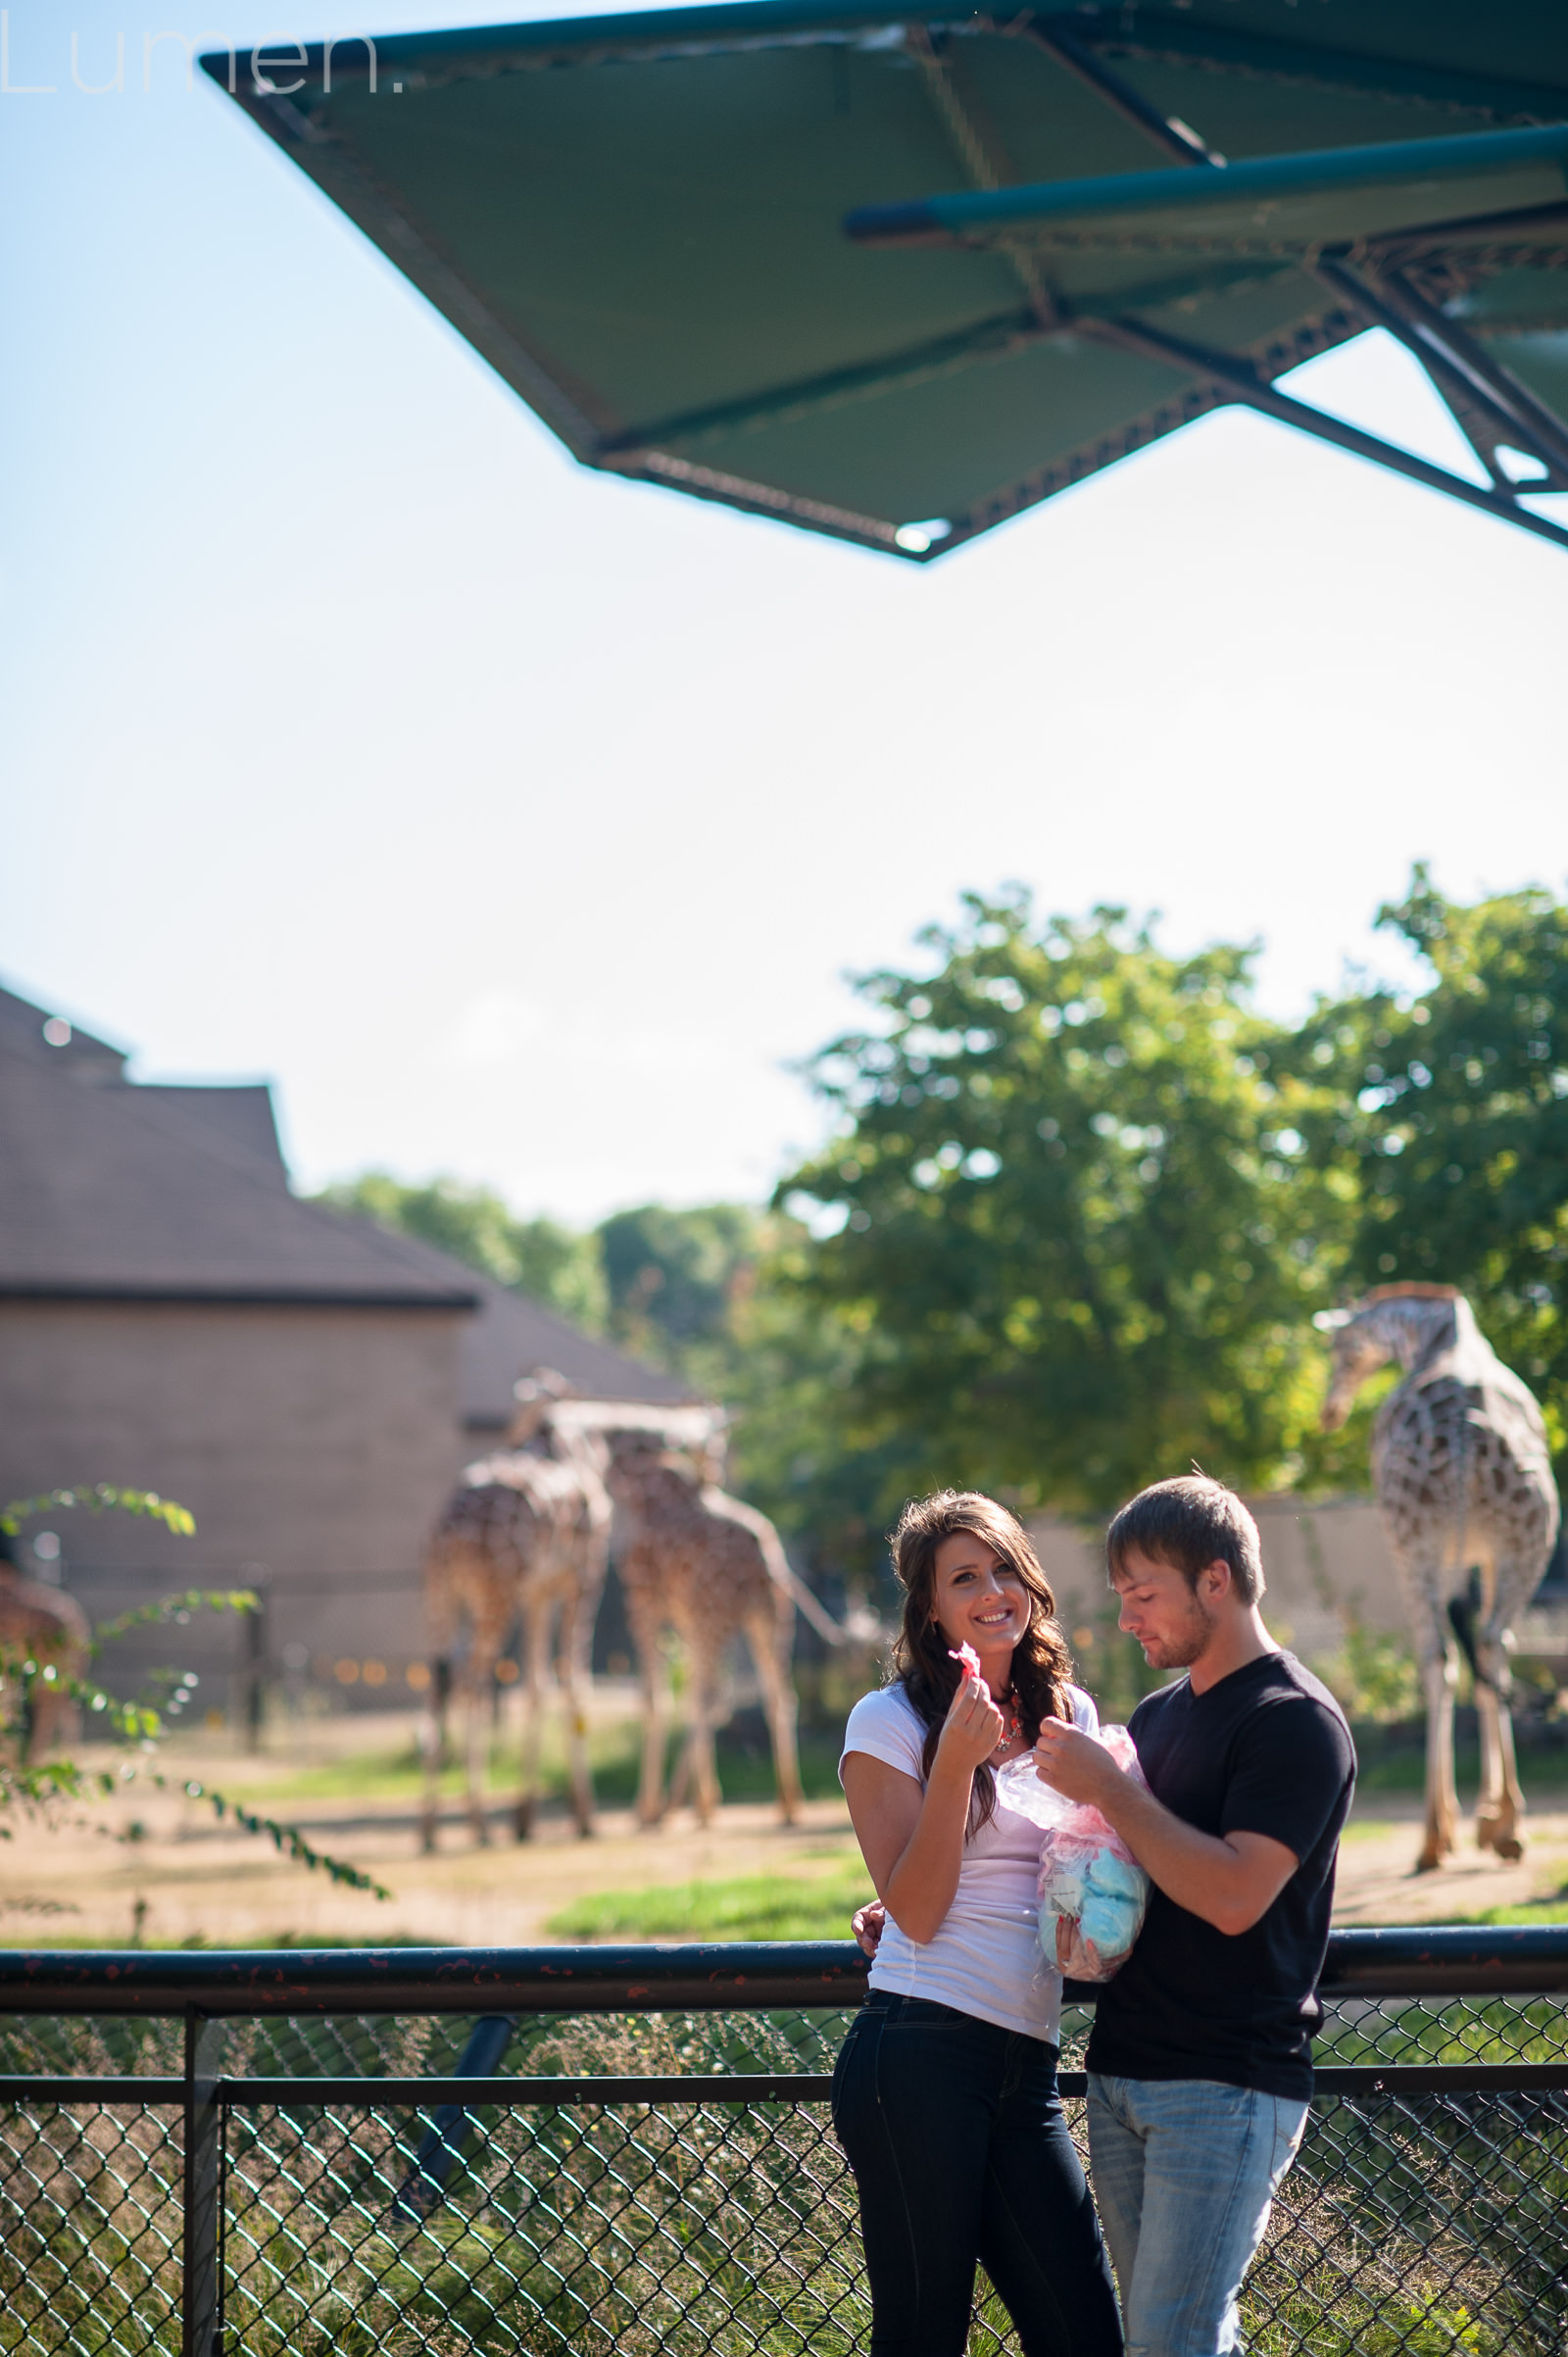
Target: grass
(755, 1907)
(1394, 1760)
(1553, 1909)
(384, 1773)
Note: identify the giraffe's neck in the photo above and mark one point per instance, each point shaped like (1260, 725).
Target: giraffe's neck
(1414, 1330)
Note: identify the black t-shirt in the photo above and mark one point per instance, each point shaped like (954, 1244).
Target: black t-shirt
(1265, 1750)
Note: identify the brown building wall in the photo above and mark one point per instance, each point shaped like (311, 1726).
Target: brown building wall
(1325, 1561)
(316, 1442)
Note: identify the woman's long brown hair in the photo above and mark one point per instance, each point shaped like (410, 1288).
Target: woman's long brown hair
(921, 1661)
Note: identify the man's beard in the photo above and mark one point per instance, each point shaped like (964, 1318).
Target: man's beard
(1183, 1646)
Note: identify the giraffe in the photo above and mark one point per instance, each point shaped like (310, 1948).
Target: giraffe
(46, 1626)
(525, 1533)
(711, 1568)
(708, 1567)
(1462, 1475)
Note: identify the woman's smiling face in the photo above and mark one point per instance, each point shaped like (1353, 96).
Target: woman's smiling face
(977, 1597)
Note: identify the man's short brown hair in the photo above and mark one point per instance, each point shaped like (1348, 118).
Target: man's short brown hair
(1190, 1523)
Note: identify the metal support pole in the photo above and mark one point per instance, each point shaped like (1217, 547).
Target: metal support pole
(441, 2145)
(1056, 36)
(255, 1673)
(202, 2292)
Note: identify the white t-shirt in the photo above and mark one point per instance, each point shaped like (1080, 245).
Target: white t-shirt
(985, 1959)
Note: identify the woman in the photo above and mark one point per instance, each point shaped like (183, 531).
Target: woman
(945, 2094)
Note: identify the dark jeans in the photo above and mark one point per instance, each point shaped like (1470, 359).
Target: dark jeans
(955, 2134)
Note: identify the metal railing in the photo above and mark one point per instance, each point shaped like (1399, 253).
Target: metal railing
(573, 2152)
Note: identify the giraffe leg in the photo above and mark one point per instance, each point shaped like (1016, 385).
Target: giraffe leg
(575, 1677)
(680, 1782)
(536, 1633)
(1422, 1582)
(1502, 1803)
(1442, 1805)
(655, 1684)
(1519, 1575)
(706, 1795)
(478, 1681)
(432, 1745)
(770, 1641)
(433, 1741)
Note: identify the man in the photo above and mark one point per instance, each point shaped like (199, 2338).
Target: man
(1200, 2061)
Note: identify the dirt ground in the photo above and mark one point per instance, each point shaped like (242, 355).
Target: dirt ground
(193, 1878)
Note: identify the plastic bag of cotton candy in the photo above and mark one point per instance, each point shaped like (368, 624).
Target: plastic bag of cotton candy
(1093, 1891)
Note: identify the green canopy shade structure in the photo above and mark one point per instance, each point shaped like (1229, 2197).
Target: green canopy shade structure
(896, 280)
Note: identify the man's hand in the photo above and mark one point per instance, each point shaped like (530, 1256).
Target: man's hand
(1230, 1882)
(1075, 1765)
(867, 1925)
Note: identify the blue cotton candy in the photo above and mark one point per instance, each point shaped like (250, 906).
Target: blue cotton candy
(1104, 1897)
(1112, 1912)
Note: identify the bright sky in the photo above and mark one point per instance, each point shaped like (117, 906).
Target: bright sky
(524, 823)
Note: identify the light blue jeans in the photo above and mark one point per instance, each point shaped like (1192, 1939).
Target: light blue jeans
(1185, 2170)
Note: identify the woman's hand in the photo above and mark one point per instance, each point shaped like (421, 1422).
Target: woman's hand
(912, 1841)
(972, 1729)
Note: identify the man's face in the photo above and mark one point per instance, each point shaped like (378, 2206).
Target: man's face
(1169, 1620)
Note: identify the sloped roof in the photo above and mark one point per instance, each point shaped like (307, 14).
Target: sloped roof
(240, 1113)
(511, 1336)
(49, 1039)
(113, 1193)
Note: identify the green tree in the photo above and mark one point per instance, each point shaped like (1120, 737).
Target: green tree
(1448, 1119)
(1079, 1239)
(551, 1263)
(675, 1279)
(716, 1294)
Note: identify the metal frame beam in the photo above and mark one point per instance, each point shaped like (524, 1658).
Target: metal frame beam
(1366, 74)
(994, 339)
(1446, 351)
(1244, 384)
(202, 2251)
(979, 149)
(1411, 1960)
(1060, 38)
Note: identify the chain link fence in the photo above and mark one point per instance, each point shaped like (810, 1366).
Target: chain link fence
(237, 2167)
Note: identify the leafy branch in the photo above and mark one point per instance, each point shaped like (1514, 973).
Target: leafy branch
(96, 1498)
(38, 1788)
(288, 1841)
(177, 1609)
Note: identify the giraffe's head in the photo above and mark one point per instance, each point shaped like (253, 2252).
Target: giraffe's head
(535, 1393)
(1391, 1321)
(630, 1437)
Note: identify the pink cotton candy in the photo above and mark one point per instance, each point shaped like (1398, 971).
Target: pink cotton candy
(968, 1659)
